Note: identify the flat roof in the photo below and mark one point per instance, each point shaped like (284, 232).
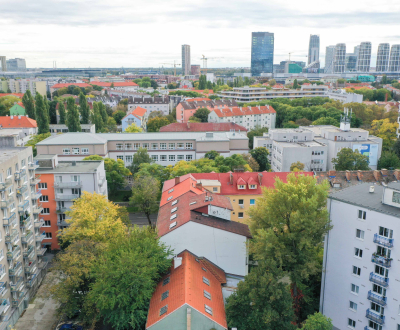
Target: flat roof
(65, 126)
(359, 195)
(84, 166)
(73, 138)
(10, 152)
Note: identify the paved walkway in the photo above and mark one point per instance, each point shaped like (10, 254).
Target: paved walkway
(140, 219)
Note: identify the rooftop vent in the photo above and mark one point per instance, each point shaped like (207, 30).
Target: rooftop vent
(371, 189)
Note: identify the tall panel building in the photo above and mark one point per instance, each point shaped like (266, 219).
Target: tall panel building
(313, 49)
(382, 60)
(329, 55)
(339, 59)
(351, 62)
(3, 63)
(394, 60)
(364, 57)
(262, 53)
(16, 64)
(186, 69)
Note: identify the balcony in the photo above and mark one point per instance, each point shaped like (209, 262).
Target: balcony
(17, 300)
(5, 184)
(41, 236)
(23, 207)
(26, 223)
(4, 305)
(33, 166)
(42, 263)
(14, 254)
(31, 281)
(376, 298)
(62, 223)
(26, 237)
(6, 203)
(380, 280)
(381, 260)
(12, 237)
(3, 289)
(39, 223)
(11, 220)
(380, 319)
(381, 240)
(31, 268)
(22, 189)
(37, 194)
(37, 209)
(19, 175)
(71, 184)
(17, 270)
(29, 253)
(17, 285)
(64, 197)
(41, 252)
(34, 181)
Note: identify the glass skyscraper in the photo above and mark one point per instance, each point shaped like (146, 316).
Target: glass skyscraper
(313, 49)
(262, 53)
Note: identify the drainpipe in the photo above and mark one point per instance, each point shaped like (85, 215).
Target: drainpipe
(188, 318)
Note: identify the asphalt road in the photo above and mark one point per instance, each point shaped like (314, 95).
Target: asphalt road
(140, 219)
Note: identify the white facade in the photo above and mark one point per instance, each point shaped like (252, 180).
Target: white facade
(339, 58)
(22, 85)
(227, 250)
(186, 69)
(345, 97)
(364, 57)
(360, 290)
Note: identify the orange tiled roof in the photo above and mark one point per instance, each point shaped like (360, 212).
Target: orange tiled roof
(239, 111)
(19, 95)
(16, 122)
(116, 84)
(186, 286)
(71, 84)
(139, 111)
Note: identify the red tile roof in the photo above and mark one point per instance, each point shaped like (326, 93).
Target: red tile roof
(21, 104)
(15, 122)
(116, 84)
(139, 111)
(19, 95)
(71, 84)
(187, 183)
(186, 286)
(198, 99)
(202, 127)
(239, 111)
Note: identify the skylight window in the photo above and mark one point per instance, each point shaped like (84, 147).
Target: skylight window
(166, 294)
(170, 191)
(206, 280)
(203, 269)
(172, 225)
(166, 281)
(208, 309)
(164, 309)
(197, 260)
(192, 203)
(174, 202)
(174, 209)
(206, 294)
(169, 198)
(173, 217)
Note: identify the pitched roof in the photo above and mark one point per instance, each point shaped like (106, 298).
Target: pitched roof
(245, 111)
(17, 122)
(139, 111)
(186, 286)
(116, 84)
(202, 127)
(193, 104)
(71, 84)
(19, 95)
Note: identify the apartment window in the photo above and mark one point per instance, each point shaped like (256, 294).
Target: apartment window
(119, 146)
(145, 145)
(174, 209)
(76, 191)
(47, 223)
(154, 146)
(252, 186)
(252, 201)
(381, 271)
(207, 294)
(75, 178)
(189, 145)
(385, 232)
(44, 198)
(355, 288)
(163, 310)
(66, 151)
(362, 215)
(171, 158)
(48, 235)
(1, 255)
(129, 159)
(75, 151)
(46, 210)
(85, 151)
(353, 306)
(382, 251)
(136, 146)
(180, 157)
(358, 252)
(241, 202)
(61, 217)
(163, 146)
(351, 323)
(215, 189)
(120, 157)
(378, 289)
(189, 157)
(206, 280)
(42, 185)
(154, 158)
(356, 270)
(377, 308)
(23, 162)
(240, 214)
(128, 146)
(376, 326)
(360, 234)
(181, 145)
(171, 146)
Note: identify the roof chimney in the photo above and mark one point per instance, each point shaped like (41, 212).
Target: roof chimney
(231, 178)
(177, 262)
(199, 185)
(260, 176)
(177, 180)
(371, 189)
(384, 172)
(11, 116)
(332, 173)
(348, 174)
(359, 175)
(397, 174)
(376, 175)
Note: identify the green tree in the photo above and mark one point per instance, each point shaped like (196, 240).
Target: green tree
(288, 225)
(257, 131)
(133, 128)
(145, 194)
(73, 122)
(111, 125)
(42, 117)
(154, 170)
(154, 124)
(202, 114)
(46, 106)
(53, 112)
(296, 167)
(36, 139)
(349, 160)
(103, 112)
(202, 82)
(384, 80)
(211, 154)
(29, 105)
(251, 162)
(396, 147)
(326, 121)
(389, 160)
(317, 321)
(84, 108)
(261, 301)
(260, 155)
(295, 84)
(232, 163)
(112, 85)
(97, 119)
(140, 157)
(61, 112)
(272, 82)
(3, 110)
(118, 115)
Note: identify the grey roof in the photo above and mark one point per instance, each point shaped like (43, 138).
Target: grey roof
(65, 126)
(85, 166)
(359, 195)
(73, 138)
(9, 152)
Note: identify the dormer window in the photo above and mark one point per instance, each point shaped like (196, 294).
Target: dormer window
(253, 186)
(242, 186)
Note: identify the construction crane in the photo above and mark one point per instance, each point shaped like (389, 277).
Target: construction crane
(205, 61)
(174, 65)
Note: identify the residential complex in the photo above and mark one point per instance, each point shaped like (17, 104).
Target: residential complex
(382, 60)
(186, 68)
(160, 103)
(3, 63)
(339, 58)
(203, 127)
(195, 70)
(360, 283)
(22, 85)
(394, 59)
(313, 49)
(364, 57)
(16, 64)
(329, 56)
(166, 148)
(249, 117)
(61, 182)
(22, 265)
(262, 53)
(344, 97)
(137, 116)
(21, 127)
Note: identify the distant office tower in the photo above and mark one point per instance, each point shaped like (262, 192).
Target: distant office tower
(262, 53)
(382, 60)
(339, 58)
(356, 52)
(186, 60)
(394, 60)
(16, 64)
(351, 62)
(329, 56)
(313, 49)
(364, 57)
(3, 63)
(195, 69)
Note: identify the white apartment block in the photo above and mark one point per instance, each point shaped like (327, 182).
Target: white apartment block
(151, 104)
(22, 264)
(249, 117)
(22, 85)
(361, 270)
(344, 97)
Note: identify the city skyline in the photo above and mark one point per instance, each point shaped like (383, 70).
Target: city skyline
(28, 32)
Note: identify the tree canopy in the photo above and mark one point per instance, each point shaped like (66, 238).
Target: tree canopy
(349, 160)
(202, 114)
(317, 321)
(133, 128)
(260, 155)
(388, 160)
(154, 124)
(258, 131)
(73, 122)
(140, 157)
(29, 104)
(36, 139)
(42, 117)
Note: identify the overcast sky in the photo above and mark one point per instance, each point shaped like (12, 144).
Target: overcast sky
(104, 33)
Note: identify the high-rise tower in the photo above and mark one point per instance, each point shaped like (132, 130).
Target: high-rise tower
(364, 57)
(186, 70)
(329, 56)
(313, 49)
(339, 59)
(382, 60)
(394, 60)
(262, 53)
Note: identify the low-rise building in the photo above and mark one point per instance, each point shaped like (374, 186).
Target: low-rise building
(62, 128)
(203, 127)
(249, 117)
(137, 116)
(18, 109)
(150, 104)
(22, 127)
(61, 182)
(344, 97)
(118, 85)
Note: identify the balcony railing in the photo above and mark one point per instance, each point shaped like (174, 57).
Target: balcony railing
(380, 280)
(381, 240)
(14, 254)
(382, 261)
(17, 270)
(26, 223)
(17, 284)
(37, 208)
(27, 237)
(37, 194)
(3, 289)
(22, 208)
(31, 281)
(39, 223)
(5, 184)
(380, 319)
(29, 251)
(377, 298)
(4, 305)
(33, 166)
(11, 220)
(62, 209)
(22, 189)
(41, 236)
(6, 203)
(35, 181)
(12, 237)
(41, 252)
(71, 184)
(31, 268)
(16, 300)
(19, 175)
(64, 197)
(62, 223)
